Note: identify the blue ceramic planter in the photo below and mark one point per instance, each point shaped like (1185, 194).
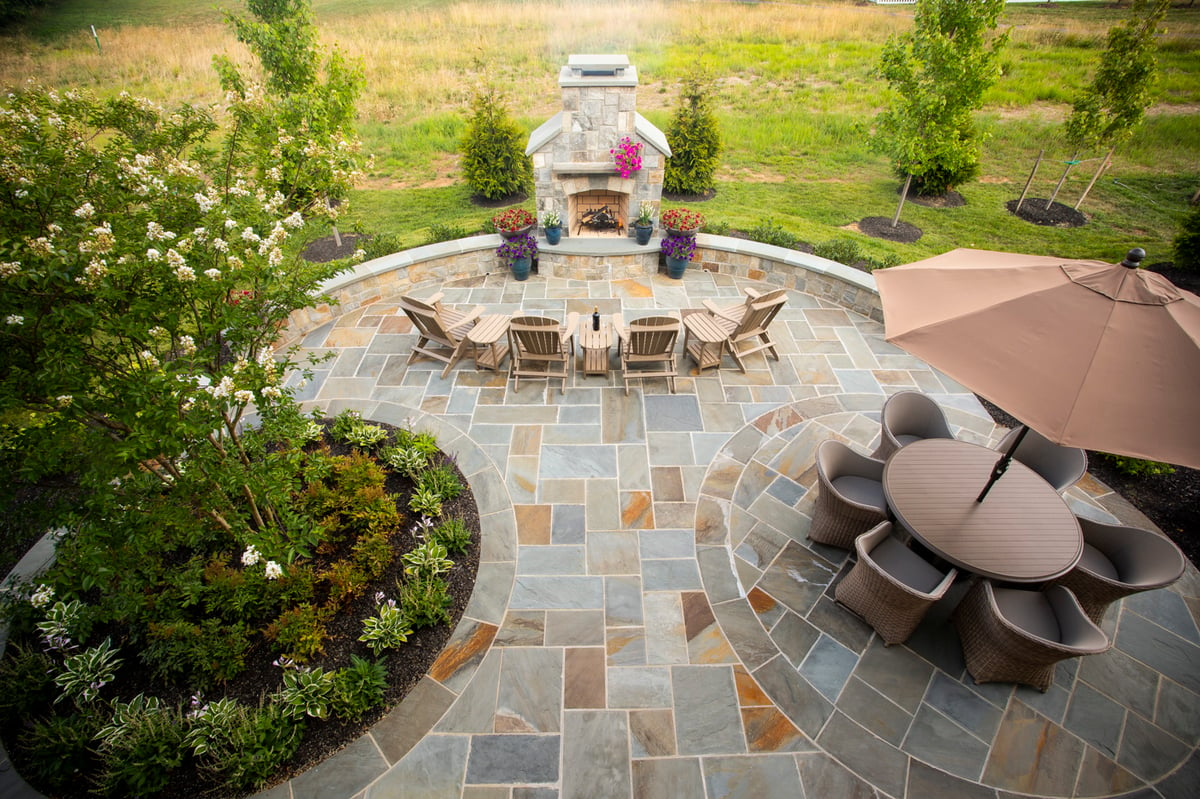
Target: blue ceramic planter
(553, 235)
(520, 268)
(676, 267)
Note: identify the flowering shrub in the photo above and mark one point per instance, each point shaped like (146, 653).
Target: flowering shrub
(628, 156)
(682, 219)
(523, 246)
(513, 220)
(680, 247)
(551, 219)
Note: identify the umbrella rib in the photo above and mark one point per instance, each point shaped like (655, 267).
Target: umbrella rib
(1104, 331)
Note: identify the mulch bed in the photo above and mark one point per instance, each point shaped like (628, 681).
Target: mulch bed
(689, 198)
(880, 227)
(1057, 215)
(950, 199)
(500, 202)
(326, 249)
(405, 665)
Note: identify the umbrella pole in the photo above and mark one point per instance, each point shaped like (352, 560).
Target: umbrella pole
(1002, 465)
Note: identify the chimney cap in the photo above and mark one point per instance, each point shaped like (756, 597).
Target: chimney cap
(598, 70)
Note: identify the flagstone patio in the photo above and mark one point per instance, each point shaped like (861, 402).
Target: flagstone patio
(650, 620)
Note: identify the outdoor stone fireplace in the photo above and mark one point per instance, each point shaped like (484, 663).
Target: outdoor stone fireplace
(574, 172)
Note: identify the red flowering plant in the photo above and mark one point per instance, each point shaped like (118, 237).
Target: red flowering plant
(513, 220)
(628, 156)
(682, 219)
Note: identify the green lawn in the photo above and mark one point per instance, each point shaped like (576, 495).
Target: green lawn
(795, 88)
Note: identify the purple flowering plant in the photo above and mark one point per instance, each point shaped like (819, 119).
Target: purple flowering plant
(680, 247)
(628, 156)
(523, 246)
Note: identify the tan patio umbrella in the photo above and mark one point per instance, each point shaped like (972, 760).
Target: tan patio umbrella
(1093, 355)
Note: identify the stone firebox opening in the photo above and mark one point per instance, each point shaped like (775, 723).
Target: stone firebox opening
(574, 171)
(598, 213)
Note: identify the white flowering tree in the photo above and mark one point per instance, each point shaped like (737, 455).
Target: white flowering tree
(296, 126)
(143, 280)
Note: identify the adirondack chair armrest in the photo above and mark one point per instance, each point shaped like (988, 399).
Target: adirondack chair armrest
(717, 310)
(753, 294)
(618, 323)
(568, 328)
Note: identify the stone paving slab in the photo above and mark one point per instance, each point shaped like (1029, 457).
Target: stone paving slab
(650, 619)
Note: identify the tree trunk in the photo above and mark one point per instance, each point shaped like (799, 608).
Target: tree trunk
(1029, 182)
(903, 196)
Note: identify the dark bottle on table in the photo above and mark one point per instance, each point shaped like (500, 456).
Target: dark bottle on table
(595, 318)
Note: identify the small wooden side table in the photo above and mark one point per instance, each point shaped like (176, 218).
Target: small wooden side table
(487, 340)
(595, 345)
(709, 340)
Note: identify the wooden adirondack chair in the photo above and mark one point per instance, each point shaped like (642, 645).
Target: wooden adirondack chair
(647, 348)
(746, 323)
(443, 330)
(541, 347)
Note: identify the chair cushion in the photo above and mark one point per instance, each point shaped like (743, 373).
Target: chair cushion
(862, 490)
(1030, 611)
(904, 439)
(906, 566)
(1098, 563)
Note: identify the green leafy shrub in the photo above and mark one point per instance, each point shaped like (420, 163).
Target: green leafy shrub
(408, 460)
(1187, 242)
(425, 602)
(306, 692)
(358, 688)
(243, 746)
(1135, 467)
(695, 141)
(493, 149)
(453, 535)
(202, 653)
(83, 675)
(770, 232)
(387, 629)
(140, 747)
(440, 231)
(59, 749)
(425, 502)
(378, 245)
(427, 560)
(844, 251)
(299, 631)
(717, 228)
(33, 672)
(349, 427)
(441, 480)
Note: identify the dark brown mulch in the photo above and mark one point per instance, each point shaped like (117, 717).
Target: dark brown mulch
(510, 199)
(326, 249)
(950, 199)
(689, 198)
(1057, 215)
(880, 227)
(1171, 501)
(1182, 278)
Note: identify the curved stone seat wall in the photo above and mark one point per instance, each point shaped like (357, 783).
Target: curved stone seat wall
(389, 277)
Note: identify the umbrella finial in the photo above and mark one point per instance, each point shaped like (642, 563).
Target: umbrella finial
(1134, 258)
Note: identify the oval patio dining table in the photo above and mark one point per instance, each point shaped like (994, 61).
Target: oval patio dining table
(1023, 532)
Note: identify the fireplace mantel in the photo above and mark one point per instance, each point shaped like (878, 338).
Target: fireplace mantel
(584, 168)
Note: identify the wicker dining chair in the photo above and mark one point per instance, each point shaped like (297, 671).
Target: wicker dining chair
(850, 497)
(1061, 467)
(1117, 561)
(1014, 635)
(890, 586)
(909, 416)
